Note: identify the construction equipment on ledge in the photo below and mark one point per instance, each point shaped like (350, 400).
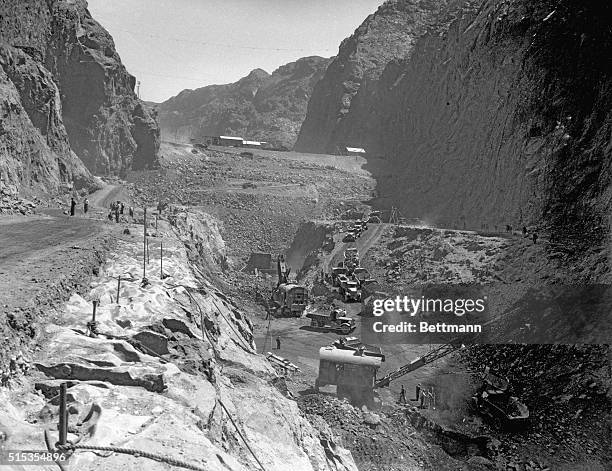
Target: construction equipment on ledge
(335, 319)
(289, 298)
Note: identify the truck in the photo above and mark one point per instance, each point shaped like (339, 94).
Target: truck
(349, 290)
(351, 254)
(335, 319)
(335, 273)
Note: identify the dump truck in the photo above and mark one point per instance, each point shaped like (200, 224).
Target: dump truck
(349, 237)
(335, 319)
(335, 274)
(493, 400)
(349, 290)
(361, 275)
(351, 254)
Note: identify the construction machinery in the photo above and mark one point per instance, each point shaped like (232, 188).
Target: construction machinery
(349, 237)
(349, 290)
(336, 272)
(288, 298)
(351, 254)
(351, 366)
(494, 401)
(335, 319)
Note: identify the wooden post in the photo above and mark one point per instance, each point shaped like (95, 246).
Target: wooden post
(118, 288)
(156, 222)
(63, 415)
(148, 252)
(144, 258)
(93, 314)
(161, 261)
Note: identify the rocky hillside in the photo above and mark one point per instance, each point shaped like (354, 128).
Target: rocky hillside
(260, 106)
(498, 113)
(348, 86)
(65, 96)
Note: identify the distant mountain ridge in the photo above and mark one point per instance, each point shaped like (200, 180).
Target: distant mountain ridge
(260, 106)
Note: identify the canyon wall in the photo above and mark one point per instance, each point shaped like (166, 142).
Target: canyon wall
(66, 92)
(500, 113)
(260, 106)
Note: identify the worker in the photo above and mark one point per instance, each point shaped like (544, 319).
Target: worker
(422, 398)
(402, 397)
(121, 206)
(535, 237)
(131, 211)
(418, 391)
(85, 205)
(72, 206)
(524, 231)
(277, 343)
(117, 213)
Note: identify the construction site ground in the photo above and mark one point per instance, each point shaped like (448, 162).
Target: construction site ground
(269, 202)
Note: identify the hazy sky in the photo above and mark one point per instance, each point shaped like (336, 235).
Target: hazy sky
(170, 45)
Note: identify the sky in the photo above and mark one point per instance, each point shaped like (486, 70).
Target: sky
(171, 45)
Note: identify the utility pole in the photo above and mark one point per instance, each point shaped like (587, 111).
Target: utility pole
(144, 252)
(138, 89)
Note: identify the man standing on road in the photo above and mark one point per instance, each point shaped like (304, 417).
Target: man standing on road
(72, 206)
(122, 206)
(277, 343)
(85, 205)
(535, 237)
(417, 393)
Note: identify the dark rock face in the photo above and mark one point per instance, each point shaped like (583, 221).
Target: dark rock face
(497, 113)
(106, 125)
(348, 86)
(35, 151)
(260, 106)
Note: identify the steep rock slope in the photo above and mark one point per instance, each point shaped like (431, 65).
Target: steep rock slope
(34, 148)
(350, 81)
(501, 114)
(107, 126)
(269, 107)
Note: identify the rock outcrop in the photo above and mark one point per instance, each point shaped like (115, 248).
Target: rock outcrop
(260, 106)
(348, 86)
(66, 92)
(499, 113)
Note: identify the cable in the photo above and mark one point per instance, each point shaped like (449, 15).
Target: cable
(241, 436)
(131, 451)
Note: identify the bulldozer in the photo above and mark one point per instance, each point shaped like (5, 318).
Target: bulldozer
(289, 299)
(335, 319)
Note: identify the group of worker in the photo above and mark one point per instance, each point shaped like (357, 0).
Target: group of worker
(117, 208)
(73, 205)
(426, 398)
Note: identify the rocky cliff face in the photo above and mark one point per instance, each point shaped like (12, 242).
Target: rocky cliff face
(500, 113)
(260, 106)
(66, 92)
(348, 86)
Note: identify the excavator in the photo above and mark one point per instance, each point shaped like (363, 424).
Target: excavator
(288, 298)
(352, 367)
